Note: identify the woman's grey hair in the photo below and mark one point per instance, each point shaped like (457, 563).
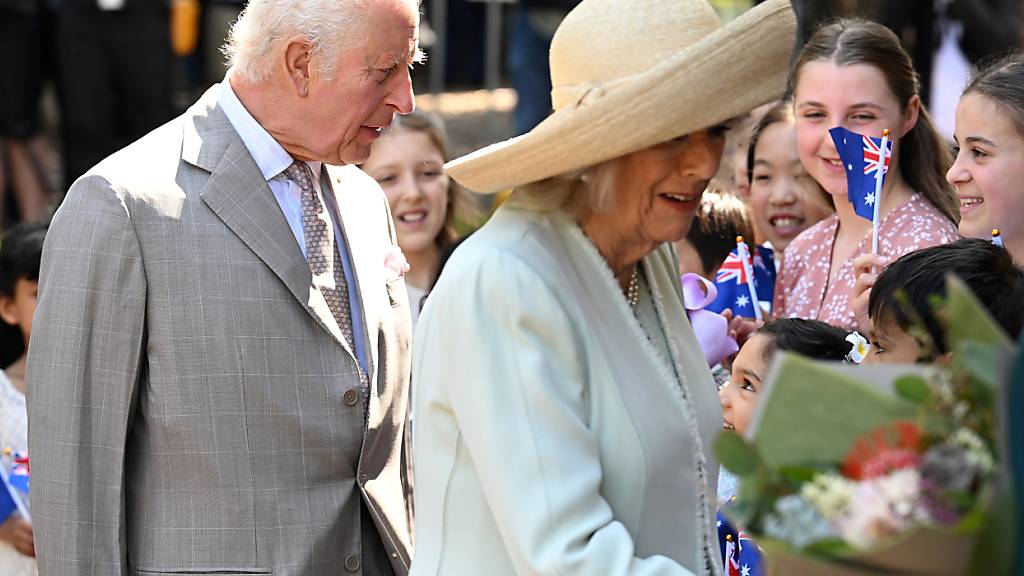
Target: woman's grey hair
(576, 193)
(331, 26)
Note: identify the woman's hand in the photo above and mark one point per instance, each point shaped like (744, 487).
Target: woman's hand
(17, 532)
(866, 269)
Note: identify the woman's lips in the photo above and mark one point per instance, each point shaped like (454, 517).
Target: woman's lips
(681, 202)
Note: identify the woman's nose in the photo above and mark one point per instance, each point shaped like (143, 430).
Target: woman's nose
(701, 155)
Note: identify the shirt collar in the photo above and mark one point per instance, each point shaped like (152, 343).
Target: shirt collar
(270, 157)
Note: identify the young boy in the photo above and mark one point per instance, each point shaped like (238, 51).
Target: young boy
(20, 252)
(987, 270)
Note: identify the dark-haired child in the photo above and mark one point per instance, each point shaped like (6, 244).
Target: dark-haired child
(987, 269)
(811, 338)
(20, 252)
(739, 397)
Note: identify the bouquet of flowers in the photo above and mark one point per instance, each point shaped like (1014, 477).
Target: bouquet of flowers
(880, 470)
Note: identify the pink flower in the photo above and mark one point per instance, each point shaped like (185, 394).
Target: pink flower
(395, 265)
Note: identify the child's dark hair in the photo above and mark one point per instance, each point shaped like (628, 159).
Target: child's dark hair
(811, 338)
(904, 291)
(20, 251)
(1003, 82)
(720, 218)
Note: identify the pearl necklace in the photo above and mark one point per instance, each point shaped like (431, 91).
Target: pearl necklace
(633, 289)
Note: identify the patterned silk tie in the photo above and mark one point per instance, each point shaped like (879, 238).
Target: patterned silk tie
(323, 257)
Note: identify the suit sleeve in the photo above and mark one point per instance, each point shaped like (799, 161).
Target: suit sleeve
(517, 392)
(84, 365)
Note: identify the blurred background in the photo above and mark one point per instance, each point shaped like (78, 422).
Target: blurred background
(81, 78)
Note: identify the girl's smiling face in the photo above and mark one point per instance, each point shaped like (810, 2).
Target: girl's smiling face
(739, 397)
(784, 199)
(409, 167)
(854, 96)
(988, 170)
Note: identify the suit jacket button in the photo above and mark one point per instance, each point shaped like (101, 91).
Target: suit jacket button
(352, 563)
(351, 397)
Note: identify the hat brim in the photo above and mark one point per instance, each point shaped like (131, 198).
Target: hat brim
(727, 73)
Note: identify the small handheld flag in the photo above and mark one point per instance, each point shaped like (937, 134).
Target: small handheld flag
(14, 485)
(730, 280)
(748, 271)
(866, 160)
(997, 238)
(740, 554)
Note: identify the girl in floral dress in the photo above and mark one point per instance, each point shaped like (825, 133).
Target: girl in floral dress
(855, 74)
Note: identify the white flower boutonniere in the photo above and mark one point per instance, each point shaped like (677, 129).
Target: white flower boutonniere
(859, 348)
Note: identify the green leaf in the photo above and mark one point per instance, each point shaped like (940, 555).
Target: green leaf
(800, 474)
(830, 548)
(982, 361)
(967, 319)
(736, 454)
(912, 388)
(813, 412)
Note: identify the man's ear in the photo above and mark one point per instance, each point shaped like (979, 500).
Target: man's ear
(296, 61)
(7, 312)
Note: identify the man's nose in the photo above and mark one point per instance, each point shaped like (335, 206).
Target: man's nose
(401, 96)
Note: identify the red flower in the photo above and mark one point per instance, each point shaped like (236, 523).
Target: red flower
(883, 450)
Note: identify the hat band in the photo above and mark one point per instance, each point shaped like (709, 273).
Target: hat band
(583, 93)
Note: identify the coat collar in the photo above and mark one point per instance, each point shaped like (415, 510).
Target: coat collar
(239, 195)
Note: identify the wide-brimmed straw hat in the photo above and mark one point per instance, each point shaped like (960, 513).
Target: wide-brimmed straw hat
(629, 74)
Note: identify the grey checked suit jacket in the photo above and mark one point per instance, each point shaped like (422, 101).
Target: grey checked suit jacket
(194, 408)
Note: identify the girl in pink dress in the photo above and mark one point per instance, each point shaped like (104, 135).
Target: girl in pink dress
(855, 74)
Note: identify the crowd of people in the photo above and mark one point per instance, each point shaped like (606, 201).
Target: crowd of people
(252, 341)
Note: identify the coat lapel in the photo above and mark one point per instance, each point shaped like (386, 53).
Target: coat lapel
(237, 193)
(364, 250)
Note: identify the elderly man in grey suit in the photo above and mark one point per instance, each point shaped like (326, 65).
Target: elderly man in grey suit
(219, 367)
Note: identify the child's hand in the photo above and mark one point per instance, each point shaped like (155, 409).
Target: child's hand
(866, 268)
(17, 532)
(740, 328)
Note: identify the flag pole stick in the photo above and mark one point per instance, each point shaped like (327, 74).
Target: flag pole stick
(879, 177)
(746, 261)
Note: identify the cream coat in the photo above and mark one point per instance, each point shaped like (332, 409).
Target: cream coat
(550, 436)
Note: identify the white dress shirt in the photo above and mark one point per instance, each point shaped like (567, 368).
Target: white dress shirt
(273, 160)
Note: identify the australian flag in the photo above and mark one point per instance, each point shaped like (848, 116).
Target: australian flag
(14, 485)
(861, 155)
(731, 282)
(740, 555)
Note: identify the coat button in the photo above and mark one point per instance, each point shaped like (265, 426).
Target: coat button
(351, 397)
(352, 563)
(363, 478)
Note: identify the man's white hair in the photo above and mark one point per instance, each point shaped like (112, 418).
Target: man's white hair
(331, 26)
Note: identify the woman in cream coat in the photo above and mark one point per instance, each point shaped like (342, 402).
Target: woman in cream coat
(565, 413)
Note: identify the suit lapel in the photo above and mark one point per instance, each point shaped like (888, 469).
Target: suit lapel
(363, 250)
(237, 193)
